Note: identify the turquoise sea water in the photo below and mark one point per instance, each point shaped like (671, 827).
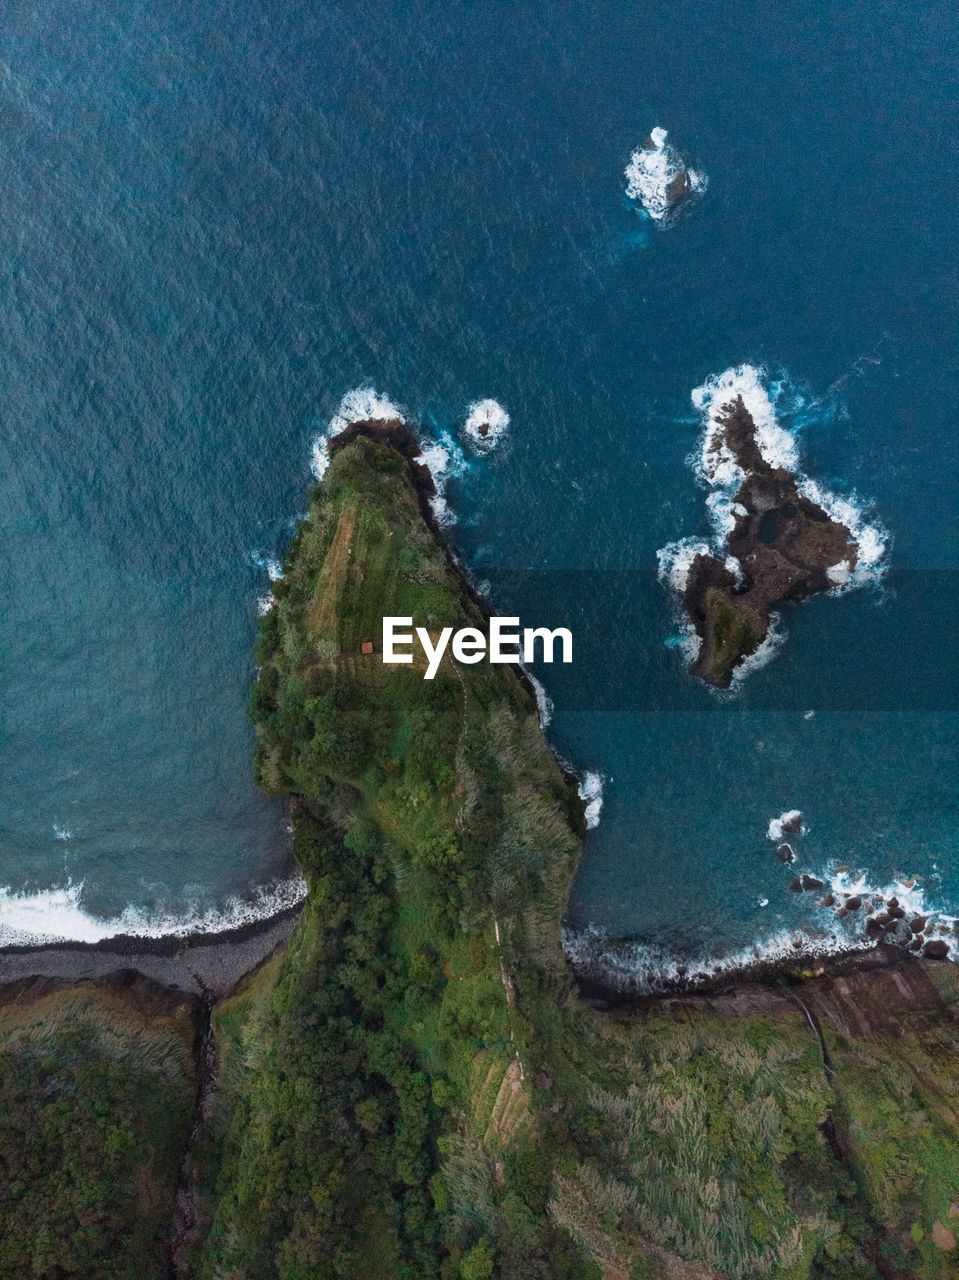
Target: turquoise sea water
(216, 219)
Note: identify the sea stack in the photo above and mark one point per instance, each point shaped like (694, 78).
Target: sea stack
(783, 543)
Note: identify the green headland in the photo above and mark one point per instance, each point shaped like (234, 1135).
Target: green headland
(413, 1087)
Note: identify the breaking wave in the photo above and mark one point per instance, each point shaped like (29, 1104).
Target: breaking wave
(658, 178)
(645, 968)
(648, 969)
(443, 456)
(446, 461)
(362, 404)
(486, 424)
(274, 571)
(591, 793)
(775, 830)
(58, 915)
(544, 702)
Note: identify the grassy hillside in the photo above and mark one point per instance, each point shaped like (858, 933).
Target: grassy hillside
(97, 1089)
(424, 1094)
(438, 838)
(413, 1090)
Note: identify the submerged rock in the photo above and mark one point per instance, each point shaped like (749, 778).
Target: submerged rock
(486, 424)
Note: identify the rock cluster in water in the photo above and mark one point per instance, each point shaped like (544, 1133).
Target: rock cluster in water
(659, 179)
(881, 919)
(783, 546)
(868, 913)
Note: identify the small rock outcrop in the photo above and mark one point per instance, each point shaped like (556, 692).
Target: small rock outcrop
(784, 544)
(936, 950)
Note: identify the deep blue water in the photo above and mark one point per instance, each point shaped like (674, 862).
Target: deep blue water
(217, 218)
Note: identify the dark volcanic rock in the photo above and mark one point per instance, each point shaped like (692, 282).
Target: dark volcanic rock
(874, 929)
(784, 544)
(795, 885)
(827, 901)
(853, 903)
(936, 950)
(793, 826)
(784, 853)
(810, 882)
(679, 187)
(918, 924)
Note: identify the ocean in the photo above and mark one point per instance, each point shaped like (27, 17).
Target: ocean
(219, 220)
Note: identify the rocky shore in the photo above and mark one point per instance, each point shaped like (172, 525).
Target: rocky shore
(754, 986)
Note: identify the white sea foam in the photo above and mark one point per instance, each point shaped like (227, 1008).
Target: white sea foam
(909, 891)
(320, 453)
(543, 701)
(274, 571)
(651, 170)
(871, 539)
(775, 828)
(644, 967)
(773, 641)
(58, 915)
(840, 573)
(442, 456)
(272, 568)
(491, 415)
(776, 444)
(445, 461)
(676, 559)
(62, 833)
(365, 404)
(591, 791)
(362, 404)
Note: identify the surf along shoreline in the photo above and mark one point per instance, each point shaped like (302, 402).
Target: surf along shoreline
(210, 964)
(207, 965)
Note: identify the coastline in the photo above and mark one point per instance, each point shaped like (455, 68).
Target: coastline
(206, 965)
(770, 976)
(211, 963)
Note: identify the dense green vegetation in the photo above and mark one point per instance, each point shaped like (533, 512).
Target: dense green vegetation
(429, 816)
(412, 1090)
(96, 1101)
(429, 1098)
